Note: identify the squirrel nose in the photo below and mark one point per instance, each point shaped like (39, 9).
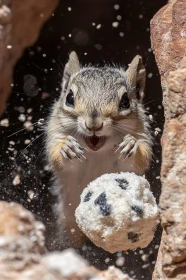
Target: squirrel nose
(94, 128)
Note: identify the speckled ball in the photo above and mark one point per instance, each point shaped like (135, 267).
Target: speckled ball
(118, 212)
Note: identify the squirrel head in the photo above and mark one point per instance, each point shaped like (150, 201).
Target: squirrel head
(93, 99)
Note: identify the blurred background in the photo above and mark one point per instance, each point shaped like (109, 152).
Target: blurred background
(101, 32)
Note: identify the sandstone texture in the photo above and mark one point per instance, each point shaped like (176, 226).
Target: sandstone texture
(168, 36)
(23, 255)
(20, 23)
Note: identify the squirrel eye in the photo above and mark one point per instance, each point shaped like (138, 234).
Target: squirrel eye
(124, 102)
(70, 99)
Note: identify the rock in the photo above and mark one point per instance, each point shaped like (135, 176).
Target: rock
(113, 273)
(14, 35)
(168, 35)
(22, 252)
(21, 240)
(168, 39)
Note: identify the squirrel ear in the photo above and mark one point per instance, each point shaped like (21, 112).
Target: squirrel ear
(136, 74)
(71, 67)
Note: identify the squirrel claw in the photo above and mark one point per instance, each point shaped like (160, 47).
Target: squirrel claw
(65, 156)
(128, 147)
(71, 149)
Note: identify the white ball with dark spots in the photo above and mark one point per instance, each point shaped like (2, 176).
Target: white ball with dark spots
(118, 212)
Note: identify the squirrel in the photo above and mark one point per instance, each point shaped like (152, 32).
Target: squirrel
(98, 125)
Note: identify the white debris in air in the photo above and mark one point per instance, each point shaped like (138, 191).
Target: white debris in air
(115, 24)
(16, 180)
(27, 141)
(107, 260)
(22, 117)
(29, 118)
(31, 194)
(29, 126)
(98, 26)
(29, 110)
(120, 261)
(119, 17)
(4, 122)
(116, 7)
(150, 75)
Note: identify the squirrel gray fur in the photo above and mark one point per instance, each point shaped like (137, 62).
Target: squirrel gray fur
(98, 125)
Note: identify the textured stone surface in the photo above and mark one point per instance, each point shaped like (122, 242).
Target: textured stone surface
(168, 38)
(20, 23)
(22, 252)
(168, 35)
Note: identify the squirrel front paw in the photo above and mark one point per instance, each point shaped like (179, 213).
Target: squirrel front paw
(71, 149)
(128, 146)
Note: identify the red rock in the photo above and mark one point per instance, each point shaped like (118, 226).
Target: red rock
(14, 35)
(168, 35)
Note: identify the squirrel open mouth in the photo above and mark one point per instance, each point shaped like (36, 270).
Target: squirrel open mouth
(94, 142)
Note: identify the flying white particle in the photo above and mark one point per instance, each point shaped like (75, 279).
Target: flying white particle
(116, 7)
(115, 24)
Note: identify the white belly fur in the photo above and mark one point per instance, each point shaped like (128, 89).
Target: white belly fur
(77, 175)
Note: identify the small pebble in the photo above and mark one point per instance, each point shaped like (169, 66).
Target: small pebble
(4, 122)
(145, 257)
(29, 126)
(107, 260)
(145, 266)
(16, 180)
(22, 117)
(116, 7)
(29, 110)
(150, 75)
(115, 24)
(31, 194)
(120, 261)
(119, 17)
(98, 26)
(27, 141)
